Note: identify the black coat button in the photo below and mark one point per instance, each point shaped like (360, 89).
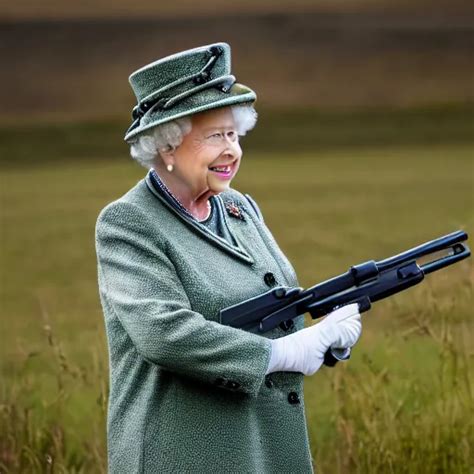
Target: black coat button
(269, 383)
(269, 279)
(232, 385)
(293, 398)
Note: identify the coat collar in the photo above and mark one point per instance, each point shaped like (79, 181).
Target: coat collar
(200, 229)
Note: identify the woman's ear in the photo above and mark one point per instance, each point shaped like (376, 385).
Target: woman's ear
(167, 155)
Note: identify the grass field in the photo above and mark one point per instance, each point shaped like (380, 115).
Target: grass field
(404, 403)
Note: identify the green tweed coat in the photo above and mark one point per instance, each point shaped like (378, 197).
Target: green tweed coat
(188, 394)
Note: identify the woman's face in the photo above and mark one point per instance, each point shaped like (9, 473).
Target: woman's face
(209, 156)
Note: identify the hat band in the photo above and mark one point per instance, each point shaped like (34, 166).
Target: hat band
(164, 103)
(167, 102)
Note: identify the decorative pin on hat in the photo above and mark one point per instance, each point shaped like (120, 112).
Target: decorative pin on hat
(182, 84)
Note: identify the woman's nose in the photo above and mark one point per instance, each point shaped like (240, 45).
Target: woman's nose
(233, 147)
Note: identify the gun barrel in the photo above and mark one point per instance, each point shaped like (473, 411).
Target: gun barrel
(427, 248)
(458, 252)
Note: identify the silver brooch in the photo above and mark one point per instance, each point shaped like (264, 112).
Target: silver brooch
(234, 210)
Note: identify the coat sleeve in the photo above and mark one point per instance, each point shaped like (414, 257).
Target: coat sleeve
(141, 287)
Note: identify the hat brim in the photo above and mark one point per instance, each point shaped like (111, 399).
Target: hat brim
(207, 99)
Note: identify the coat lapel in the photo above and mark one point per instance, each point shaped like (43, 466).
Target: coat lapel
(202, 230)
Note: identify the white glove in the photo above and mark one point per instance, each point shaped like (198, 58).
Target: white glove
(303, 351)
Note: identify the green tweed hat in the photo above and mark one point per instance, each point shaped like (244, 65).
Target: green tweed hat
(182, 84)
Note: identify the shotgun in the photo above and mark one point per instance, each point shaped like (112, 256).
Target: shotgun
(363, 284)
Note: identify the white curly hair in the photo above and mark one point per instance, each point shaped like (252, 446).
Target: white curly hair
(145, 147)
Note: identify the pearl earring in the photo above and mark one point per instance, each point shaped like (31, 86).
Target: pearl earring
(169, 167)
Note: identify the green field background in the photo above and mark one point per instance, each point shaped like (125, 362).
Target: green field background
(363, 149)
(403, 403)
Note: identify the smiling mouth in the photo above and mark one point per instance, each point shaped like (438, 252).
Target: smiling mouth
(223, 170)
(227, 167)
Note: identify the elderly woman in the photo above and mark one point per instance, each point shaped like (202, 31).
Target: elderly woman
(187, 393)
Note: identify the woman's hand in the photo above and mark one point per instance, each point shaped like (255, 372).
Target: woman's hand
(304, 350)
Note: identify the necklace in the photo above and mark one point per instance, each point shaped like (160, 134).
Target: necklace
(178, 203)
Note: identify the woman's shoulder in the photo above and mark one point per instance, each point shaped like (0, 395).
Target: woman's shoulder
(130, 208)
(232, 194)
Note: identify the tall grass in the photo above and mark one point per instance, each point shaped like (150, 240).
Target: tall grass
(35, 434)
(427, 429)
